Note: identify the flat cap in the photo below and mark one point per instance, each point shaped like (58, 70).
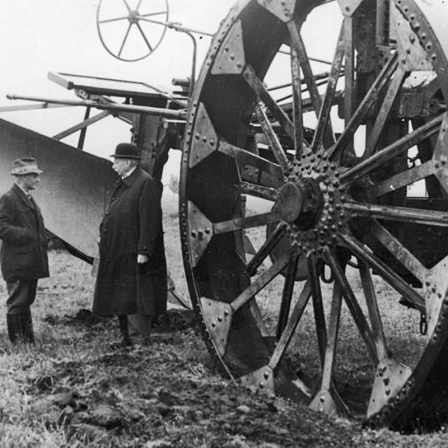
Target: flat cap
(25, 165)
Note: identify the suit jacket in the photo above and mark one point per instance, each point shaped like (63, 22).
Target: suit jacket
(23, 255)
(132, 225)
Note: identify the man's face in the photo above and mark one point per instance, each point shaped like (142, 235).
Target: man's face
(121, 166)
(30, 181)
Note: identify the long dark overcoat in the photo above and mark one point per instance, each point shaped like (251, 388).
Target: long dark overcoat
(23, 254)
(132, 225)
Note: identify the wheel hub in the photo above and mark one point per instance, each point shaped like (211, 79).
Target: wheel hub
(311, 201)
(133, 16)
(300, 203)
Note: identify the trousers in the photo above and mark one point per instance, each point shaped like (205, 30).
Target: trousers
(22, 294)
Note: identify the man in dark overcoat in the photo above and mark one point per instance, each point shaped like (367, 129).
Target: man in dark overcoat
(23, 253)
(132, 274)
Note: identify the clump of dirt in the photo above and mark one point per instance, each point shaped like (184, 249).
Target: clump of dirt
(167, 394)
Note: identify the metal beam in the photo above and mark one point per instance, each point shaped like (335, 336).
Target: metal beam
(169, 113)
(30, 107)
(82, 125)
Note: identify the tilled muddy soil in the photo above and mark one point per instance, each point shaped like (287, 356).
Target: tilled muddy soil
(167, 394)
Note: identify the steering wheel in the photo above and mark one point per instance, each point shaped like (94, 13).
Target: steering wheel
(131, 30)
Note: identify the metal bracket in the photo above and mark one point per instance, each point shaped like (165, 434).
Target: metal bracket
(389, 380)
(205, 140)
(262, 380)
(439, 156)
(413, 56)
(349, 7)
(283, 10)
(323, 402)
(231, 59)
(200, 232)
(435, 289)
(218, 318)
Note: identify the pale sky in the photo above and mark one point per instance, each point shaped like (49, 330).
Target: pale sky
(38, 36)
(43, 35)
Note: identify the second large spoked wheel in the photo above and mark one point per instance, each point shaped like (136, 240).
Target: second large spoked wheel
(130, 30)
(313, 204)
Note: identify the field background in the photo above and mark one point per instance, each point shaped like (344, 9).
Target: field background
(72, 389)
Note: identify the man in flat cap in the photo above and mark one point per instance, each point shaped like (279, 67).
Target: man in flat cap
(132, 274)
(23, 254)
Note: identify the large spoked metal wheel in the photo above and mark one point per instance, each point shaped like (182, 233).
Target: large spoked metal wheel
(335, 177)
(130, 30)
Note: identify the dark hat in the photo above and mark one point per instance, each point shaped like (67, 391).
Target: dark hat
(25, 165)
(127, 151)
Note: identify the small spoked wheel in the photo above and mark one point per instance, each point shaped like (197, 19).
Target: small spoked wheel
(130, 30)
(334, 172)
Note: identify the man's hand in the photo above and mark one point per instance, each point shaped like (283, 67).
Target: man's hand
(141, 259)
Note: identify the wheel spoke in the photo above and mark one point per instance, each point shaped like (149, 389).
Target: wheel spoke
(404, 179)
(263, 94)
(297, 104)
(266, 249)
(117, 19)
(353, 305)
(382, 269)
(385, 110)
(246, 222)
(364, 107)
(299, 48)
(258, 191)
(333, 330)
(324, 115)
(406, 258)
(373, 309)
(291, 326)
(265, 173)
(273, 140)
(402, 214)
(288, 290)
(388, 153)
(202, 230)
(319, 315)
(263, 280)
(127, 5)
(307, 105)
(159, 13)
(124, 40)
(144, 37)
(252, 168)
(349, 96)
(323, 77)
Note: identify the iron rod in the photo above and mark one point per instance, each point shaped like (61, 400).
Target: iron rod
(266, 249)
(391, 151)
(182, 114)
(402, 214)
(30, 107)
(394, 280)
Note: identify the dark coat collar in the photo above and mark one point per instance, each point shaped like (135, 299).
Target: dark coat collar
(128, 181)
(22, 195)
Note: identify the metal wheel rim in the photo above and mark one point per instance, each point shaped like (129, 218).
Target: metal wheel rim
(211, 141)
